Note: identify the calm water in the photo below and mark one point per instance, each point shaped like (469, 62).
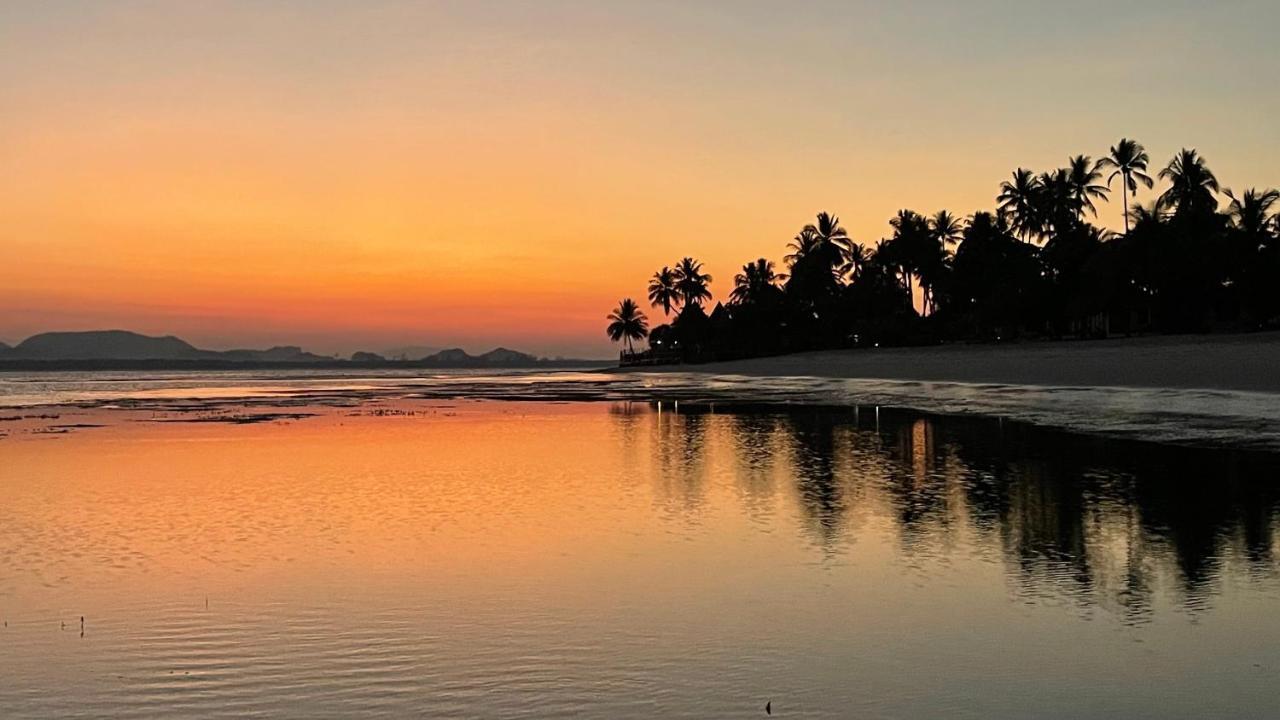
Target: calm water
(1185, 416)
(413, 555)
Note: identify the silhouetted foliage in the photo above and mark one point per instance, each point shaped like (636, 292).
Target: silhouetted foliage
(627, 323)
(692, 283)
(1036, 267)
(663, 292)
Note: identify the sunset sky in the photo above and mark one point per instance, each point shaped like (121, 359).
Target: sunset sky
(365, 175)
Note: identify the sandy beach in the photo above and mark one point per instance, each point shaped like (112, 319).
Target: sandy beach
(1248, 363)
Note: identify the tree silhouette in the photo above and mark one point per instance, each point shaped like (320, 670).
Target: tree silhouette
(855, 259)
(1035, 268)
(911, 243)
(1054, 204)
(1144, 215)
(1251, 212)
(627, 323)
(663, 291)
(1018, 200)
(691, 282)
(817, 263)
(1083, 175)
(801, 246)
(832, 240)
(756, 284)
(947, 228)
(825, 245)
(1192, 186)
(1252, 257)
(1129, 161)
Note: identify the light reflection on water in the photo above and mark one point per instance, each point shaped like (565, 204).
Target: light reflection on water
(1175, 415)
(530, 559)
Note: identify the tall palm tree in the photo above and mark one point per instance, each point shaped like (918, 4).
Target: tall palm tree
(1251, 212)
(1192, 185)
(1054, 208)
(804, 244)
(855, 259)
(947, 228)
(1017, 201)
(911, 246)
(1082, 176)
(663, 291)
(627, 323)
(826, 242)
(691, 282)
(756, 283)
(1129, 160)
(829, 233)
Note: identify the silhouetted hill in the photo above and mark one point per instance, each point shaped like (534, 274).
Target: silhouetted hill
(498, 357)
(280, 353)
(103, 345)
(452, 356)
(408, 352)
(120, 349)
(505, 356)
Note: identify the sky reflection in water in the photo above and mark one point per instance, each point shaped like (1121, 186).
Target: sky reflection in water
(513, 559)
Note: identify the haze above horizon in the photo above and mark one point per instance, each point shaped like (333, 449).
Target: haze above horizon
(352, 177)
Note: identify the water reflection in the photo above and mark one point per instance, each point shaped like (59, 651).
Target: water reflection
(1091, 522)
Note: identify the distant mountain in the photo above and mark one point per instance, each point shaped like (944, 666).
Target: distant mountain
(452, 356)
(280, 353)
(408, 352)
(504, 356)
(124, 349)
(103, 345)
(497, 357)
(125, 345)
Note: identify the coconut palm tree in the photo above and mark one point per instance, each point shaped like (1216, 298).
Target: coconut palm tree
(1192, 185)
(801, 246)
(1017, 201)
(627, 323)
(855, 259)
(1082, 176)
(824, 243)
(832, 239)
(663, 291)
(1143, 214)
(1053, 206)
(947, 228)
(1251, 212)
(912, 245)
(1129, 160)
(691, 282)
(756, 283)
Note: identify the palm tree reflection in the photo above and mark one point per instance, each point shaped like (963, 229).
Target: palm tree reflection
(1097, 523)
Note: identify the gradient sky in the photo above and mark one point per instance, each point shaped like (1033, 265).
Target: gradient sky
(348, 175)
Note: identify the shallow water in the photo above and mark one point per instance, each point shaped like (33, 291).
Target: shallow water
(474, 558)
(1221, 418)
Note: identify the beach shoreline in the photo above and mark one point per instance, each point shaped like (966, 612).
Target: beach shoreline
(1238, 362)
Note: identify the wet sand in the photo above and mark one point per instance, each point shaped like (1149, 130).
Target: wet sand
(1248, 363)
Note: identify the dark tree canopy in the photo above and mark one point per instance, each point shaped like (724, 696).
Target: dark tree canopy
(1199, 258)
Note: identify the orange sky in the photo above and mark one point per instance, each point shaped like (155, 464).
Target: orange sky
(348, 177)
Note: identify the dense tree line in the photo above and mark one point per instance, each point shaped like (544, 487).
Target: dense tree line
(1200, 257)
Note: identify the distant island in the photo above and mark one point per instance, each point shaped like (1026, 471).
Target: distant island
(125, 350)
